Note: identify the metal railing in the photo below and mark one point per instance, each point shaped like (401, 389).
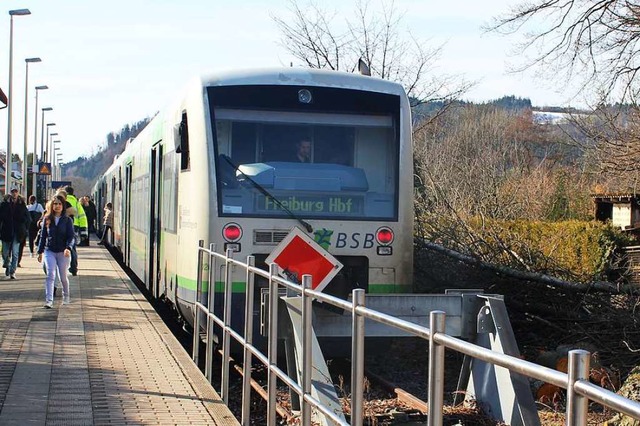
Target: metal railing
(579, 390)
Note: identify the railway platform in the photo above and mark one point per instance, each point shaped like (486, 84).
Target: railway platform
(106, 358)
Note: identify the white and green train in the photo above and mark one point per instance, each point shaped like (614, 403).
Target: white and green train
(221, 165)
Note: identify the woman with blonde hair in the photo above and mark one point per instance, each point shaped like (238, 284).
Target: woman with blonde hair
(56, 240)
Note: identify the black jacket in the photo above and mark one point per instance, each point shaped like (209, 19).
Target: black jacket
(56, 237)
(14, 219)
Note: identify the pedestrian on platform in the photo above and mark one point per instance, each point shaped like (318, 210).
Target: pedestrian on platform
(14, 219)
(107, 223)
(79, 225)
(90, 209)
(35, 212)
(57, 238)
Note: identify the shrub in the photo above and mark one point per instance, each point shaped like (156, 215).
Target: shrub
(573, 250)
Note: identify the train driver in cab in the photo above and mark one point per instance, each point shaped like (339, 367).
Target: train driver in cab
(303, 151)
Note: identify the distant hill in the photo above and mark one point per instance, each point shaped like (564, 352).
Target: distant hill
(511, 103)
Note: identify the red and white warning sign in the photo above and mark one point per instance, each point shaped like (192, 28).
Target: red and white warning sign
(298, 255)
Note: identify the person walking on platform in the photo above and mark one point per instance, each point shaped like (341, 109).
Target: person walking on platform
(79, 225)
(14, 219)
(35, 211)
(90, 210)
(57, 238)
(108, 223)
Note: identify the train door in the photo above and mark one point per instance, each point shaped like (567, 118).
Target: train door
(127, 211)
(154, 220)
(112, 200)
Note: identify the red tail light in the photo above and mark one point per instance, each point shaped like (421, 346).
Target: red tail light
(232, 232)
(384, 236)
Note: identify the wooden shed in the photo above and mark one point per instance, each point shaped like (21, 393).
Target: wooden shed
(622, 210)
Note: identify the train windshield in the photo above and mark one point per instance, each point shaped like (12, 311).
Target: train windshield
(310, 162)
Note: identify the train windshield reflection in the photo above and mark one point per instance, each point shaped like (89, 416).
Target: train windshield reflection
(317, 165)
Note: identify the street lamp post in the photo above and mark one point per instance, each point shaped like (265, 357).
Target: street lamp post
(26, 120)
(41, 198)
(45, 147)
(60, 164)
(34, 172)
(56, 152)
(50, 159)
(59, 167)
(42, 133)
(7, 170)
(50, 147)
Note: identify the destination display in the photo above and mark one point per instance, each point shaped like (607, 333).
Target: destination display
(312, 204)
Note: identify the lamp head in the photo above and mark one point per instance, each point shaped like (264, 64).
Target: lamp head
(44, 87)
(47, 109)
(19, 12)
(28, 60)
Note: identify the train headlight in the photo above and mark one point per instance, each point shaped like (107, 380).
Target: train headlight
(384, 236)
(232, 232)
(304, 96)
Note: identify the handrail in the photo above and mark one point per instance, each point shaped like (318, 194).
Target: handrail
(579, 390)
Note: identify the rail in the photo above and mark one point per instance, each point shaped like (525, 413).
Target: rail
(579, 390)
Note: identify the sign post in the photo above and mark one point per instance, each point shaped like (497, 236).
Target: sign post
(298, 255)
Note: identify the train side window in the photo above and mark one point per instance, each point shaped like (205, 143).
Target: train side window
(183, 148)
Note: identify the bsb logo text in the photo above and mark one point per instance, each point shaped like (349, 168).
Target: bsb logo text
(344, 240)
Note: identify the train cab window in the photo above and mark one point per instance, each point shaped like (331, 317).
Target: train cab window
(183, 148)
(279, 142)
(334, 145)
(351, 163)
(243, 143)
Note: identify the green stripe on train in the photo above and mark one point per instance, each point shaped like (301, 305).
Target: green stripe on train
(240, 287)
(189, 284)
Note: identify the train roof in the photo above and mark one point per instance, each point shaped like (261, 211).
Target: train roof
(301, 77)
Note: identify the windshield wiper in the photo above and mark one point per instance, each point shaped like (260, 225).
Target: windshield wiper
(266, 193)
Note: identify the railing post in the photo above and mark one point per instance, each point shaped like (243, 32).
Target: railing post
(436, 369)
(208, 366)
(248, 337)
(357, 358)
(307, 354)
(196, 311)
(577, 405)
(273, 345)
(226, 336)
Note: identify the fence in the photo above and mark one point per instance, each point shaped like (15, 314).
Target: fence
(576, 382)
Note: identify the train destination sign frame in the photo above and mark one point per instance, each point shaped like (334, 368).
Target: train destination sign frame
(326, 204)
(297, 255)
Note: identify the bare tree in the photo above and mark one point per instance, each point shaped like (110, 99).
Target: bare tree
(596, 45)
(594, 42)
(610, 139)
(479, 169)
(320, 39)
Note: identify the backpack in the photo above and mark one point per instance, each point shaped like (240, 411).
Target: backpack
(35, 216)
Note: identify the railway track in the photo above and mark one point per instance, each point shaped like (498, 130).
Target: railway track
(386, 402)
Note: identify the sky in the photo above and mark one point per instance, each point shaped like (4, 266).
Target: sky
(111, 63)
